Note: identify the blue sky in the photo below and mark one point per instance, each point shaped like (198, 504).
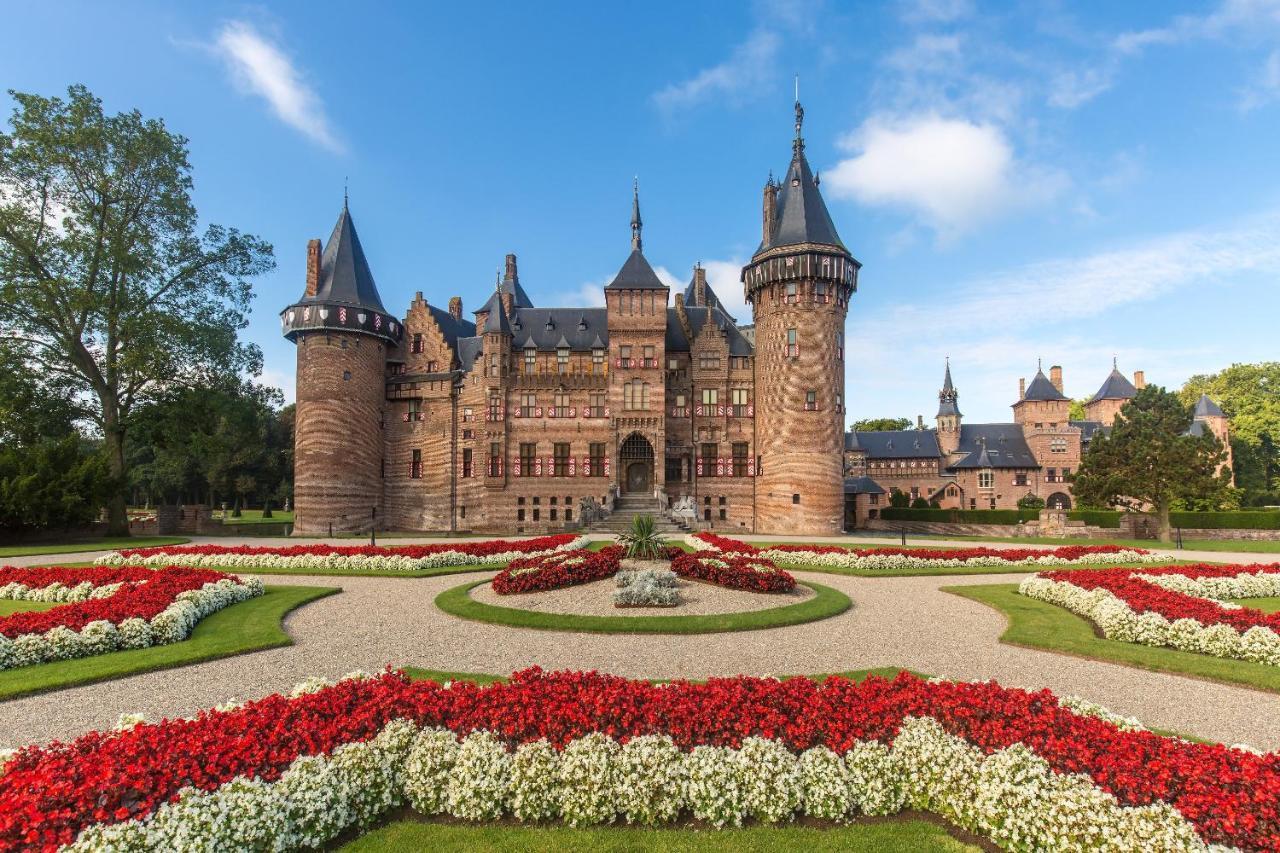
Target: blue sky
(1020, 181)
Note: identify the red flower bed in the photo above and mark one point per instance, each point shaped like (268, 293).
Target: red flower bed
(1142, 596)
(145, 593)
(552, 571)
(751, 573)
(48, 794)
(1066, 552)
(478, 549)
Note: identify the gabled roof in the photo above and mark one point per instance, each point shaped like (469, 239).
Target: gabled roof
(699, 317)
(497, 321)
(452, 328)
(851, 441)
(898, 444)
(345, 278)
(1042, 389)
(1206, 408)
(469, 350)
(708, 298)
(1088, 429)
(862, 486)
(636, 274)
(994, 446)
(1115, 387)
(548, 329)
(802, 215)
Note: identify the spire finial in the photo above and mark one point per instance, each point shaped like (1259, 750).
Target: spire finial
(497, 280)
(1114, 366)
(1039, 365)
(636, 223)
(798, 145)
(344, 192)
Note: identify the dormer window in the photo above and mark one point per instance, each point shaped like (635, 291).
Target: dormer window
(530, 359)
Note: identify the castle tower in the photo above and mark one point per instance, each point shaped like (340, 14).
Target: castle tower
(636, 306)
(799, 282)
(1211, 417)
(497, 337)
(342, 333)
(1115, 392)
(949, 416)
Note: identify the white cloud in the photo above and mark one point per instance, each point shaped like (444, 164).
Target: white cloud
(1232, 16)
(259, 66)
(1267, 87)
(1073, 88)
(748, 68)
(935, 11)
(952, 173)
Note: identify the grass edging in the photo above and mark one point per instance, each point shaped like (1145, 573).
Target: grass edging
(1036, 624)
(89, 545)
(827, 602)
(966, 570)
(249, 626)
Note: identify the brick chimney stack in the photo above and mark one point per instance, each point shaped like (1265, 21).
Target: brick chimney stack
(1055, 376)
(1022, 387)
(1139, 379)
(770, 209)
(510, 272)
(313, 267)
(455, 307)
(700, 284)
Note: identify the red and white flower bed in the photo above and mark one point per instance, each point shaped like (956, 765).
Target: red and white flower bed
(560, 569)
(834, 556)
(401, 558)
(1020, 768)
(751, 572)
(107, 609)
(1181, 607)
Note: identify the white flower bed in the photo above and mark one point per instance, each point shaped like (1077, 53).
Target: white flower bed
(171, 625)
(1118, 621)
(338, 562)
(1010, 796)
(898, 562)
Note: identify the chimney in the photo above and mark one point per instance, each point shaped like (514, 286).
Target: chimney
(700, 284)
(1022, 387)
(1055, 376)
(680, 300)
(919, 421)
(455, 307)
(313, 267)
(1139, 379)
(510, 273)
(770, 209)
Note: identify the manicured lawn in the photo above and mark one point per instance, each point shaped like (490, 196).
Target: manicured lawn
(254, 516)
(1266, 605)
(8, 606)
(1040, 625)
(1260, 545)
(900, 834)
(245, 627)
(334, 573)
(826, 603)
(969, 570)
(77, 545)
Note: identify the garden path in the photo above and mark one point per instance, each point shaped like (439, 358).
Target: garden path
(895, 622)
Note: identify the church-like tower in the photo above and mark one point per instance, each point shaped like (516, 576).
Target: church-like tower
(342, 333)
(949, 417)
(799, 282)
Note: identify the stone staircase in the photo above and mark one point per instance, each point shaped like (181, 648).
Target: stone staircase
(628, 507)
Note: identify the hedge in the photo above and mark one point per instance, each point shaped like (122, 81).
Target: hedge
(960, 516)
(1096, 517)
(1227, 520)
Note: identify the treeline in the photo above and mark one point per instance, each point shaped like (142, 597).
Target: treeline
(1249, 394)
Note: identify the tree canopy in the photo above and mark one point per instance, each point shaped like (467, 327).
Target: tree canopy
(1249, 394)
(1149, 461)
(104, 277)
(881, 424)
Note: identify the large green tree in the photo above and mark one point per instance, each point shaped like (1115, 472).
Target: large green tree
(880, 424)
(103, 272)
(1150, 462)
(1250, 396)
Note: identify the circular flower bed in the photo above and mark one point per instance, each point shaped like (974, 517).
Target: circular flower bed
(1175, 606)
(1021, 768)
(552, 571)
(108, 609)
(733, 570)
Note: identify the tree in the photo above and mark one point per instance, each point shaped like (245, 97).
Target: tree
(58, 482)
(1030, 501)
(898, 498)
(102, 271)
(920, 503)
(1149, 461)
(1250, 396)
(881, 424)
(1076, 412)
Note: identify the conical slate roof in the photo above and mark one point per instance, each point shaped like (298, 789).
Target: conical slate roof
(1206, 408)
(497, 320)
(345, 277)
(948, 396)
(802, 215)
(636, 274)
(1042, 389)
(1116, 387)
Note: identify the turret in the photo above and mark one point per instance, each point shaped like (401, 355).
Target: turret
(949, 417)
(799, 282)
(1115, 392)
(1208, 415)
(342, 333)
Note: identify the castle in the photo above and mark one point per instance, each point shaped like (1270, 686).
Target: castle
(957, 465)
(505, 422)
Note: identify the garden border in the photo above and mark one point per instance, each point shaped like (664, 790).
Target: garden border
(826, 603)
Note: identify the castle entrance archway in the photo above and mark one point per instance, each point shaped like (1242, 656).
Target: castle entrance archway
(635, 459)
(1058, 500)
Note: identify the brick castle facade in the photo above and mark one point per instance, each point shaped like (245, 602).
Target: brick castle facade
(504, 422)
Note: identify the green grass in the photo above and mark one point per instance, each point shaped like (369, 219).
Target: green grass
(358, 573)
(483, 678)
(9, 606)
(1039, 625)
(254, 516)
(77, 545)
(1266, 605)
(968, 570)
(1265, 546)
(898, 834)
(245, 627)
(826, 603)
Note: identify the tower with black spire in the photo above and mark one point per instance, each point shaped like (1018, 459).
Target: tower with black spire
(342, 332)
(948, 418)
(799, 282)
(636, 309)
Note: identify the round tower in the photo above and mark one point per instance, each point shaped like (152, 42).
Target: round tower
(799, 283)
(342, 333)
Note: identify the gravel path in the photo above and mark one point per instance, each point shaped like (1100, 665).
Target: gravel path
(895, 622)
(596, 599)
